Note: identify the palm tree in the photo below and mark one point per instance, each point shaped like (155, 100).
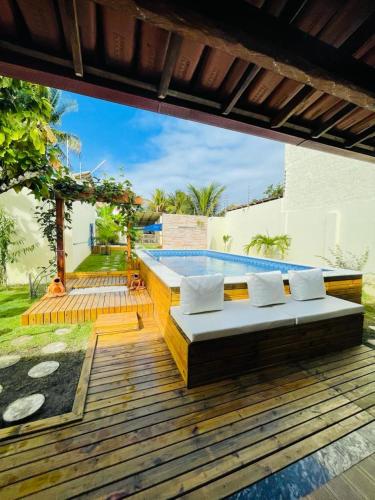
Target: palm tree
(205, 200)
(269, 245)
(59, 108)
(108, 225)
(179, 203)
(226, 240)
(274, 191)
(158, 201)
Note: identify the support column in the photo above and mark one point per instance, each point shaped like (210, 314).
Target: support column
(128, 253)
(60, 250)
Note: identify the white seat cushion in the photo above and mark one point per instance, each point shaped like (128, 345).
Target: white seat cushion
(266, 289)
(308, 311)
(237, 317)
(202, 293)
(307, 284)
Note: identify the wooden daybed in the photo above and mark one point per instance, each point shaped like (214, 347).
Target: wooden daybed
(241, 338)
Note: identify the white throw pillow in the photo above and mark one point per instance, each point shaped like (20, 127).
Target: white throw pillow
(202, 293)
(266, 289)
(307, 284)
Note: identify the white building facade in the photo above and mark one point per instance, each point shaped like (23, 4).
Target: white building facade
(329, 200)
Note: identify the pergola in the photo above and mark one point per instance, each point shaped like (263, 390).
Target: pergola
(60, 222)
(298, 71)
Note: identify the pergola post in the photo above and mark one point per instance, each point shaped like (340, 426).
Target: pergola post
(60, 250)
(128, 253)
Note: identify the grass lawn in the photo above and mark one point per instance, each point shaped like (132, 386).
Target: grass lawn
(27, 341)
(97, 262)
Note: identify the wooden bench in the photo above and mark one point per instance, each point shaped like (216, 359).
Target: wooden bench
(241, 338)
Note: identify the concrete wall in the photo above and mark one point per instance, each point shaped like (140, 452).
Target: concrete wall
(77, 239)
(244, 223)
(328, 200)
(184, 231)
(22, 207)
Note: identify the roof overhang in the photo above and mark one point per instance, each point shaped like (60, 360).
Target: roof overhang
(298, 72)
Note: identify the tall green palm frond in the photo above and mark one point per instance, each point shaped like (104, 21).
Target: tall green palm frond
(62, 138)
(269, 245)
(158, 201)
(108, 225)
(179, 203)
(205, 200)
(59, 108)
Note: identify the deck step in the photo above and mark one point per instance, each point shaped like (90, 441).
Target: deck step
(116, 323)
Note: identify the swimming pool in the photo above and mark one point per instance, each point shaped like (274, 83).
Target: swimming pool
(162, 271)
(203, 262)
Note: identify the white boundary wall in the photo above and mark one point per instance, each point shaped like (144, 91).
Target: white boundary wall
(22, 207)
(328, 200)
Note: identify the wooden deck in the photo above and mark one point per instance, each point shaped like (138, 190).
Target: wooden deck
(95, 281)
(79, 308)
(144, 434)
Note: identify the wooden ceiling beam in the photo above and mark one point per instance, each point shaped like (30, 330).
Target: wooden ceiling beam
(243, 84)
(70, 7)
(38, 67)
(254, 36)
(170, 61)
(364, 136)
(292, 106)
(334, 120)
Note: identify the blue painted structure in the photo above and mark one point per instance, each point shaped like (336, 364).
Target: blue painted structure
(152, 228)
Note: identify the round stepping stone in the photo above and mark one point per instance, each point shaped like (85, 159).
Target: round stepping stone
(53, 348)
(9, 360)
(23, 407)
(1, 388)
(43, 369)
(372, 342)
(21, 340)
(63, 331)
(372, 328)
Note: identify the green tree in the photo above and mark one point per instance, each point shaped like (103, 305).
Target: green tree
(226, 240)
(11, 247)
(59, 108)
(179, 203)
(205, 200)
(269, 246)
(26, 140)
(159, 201)
(108, 225)
(274, 191)
(31, 147)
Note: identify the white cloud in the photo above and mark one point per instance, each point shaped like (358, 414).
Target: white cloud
(189, 152)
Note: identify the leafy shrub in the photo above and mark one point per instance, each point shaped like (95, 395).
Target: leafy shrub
(345, 259)
(269, 246)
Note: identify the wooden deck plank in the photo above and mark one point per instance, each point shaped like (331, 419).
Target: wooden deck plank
(144, 433)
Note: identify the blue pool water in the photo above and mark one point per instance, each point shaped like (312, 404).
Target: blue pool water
(201, 262)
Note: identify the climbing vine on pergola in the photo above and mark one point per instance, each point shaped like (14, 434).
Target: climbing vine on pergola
(63, 189)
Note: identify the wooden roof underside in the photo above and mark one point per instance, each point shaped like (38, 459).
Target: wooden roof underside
(298, 71)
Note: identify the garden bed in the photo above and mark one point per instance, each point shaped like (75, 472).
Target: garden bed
(65, 344)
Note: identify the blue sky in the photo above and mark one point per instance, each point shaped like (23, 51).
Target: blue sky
(160, 151)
